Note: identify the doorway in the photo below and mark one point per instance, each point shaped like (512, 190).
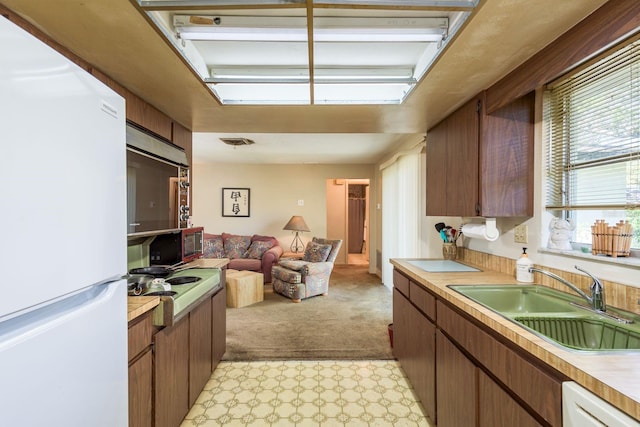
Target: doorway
(353, 229)
(357, 222)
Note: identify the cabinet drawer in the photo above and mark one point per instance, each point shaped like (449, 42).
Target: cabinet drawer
(422, 299)
(541, 391)
(401, 283)
(140, 334)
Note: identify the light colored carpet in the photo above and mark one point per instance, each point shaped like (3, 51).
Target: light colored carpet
(350, 323)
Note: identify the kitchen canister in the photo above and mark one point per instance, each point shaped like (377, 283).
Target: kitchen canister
(449, 250)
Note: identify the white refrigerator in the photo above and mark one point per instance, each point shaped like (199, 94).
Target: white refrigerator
(63, 321)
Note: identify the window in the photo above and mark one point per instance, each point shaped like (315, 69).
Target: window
(593, 163)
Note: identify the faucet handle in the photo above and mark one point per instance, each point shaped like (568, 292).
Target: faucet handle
(597, 291)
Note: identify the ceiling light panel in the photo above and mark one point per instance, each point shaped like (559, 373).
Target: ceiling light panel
(373, 53)
(360, 93)
(427, 4)
(262, 94)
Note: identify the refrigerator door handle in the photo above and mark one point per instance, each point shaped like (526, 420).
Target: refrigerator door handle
(25, 326)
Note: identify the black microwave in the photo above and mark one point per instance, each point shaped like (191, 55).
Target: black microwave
(181, 246)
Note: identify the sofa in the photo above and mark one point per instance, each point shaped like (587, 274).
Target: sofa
(245, 252)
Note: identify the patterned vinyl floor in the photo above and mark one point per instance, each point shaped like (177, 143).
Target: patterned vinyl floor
(307, 393)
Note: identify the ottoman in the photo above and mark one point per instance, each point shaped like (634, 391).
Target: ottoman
(244, 288)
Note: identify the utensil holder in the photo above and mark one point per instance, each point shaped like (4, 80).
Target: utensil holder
(449, 251)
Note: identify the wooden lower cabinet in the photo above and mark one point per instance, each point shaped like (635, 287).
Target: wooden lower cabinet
(496, 408)
(456, 379)
(533, 386)
(218, 327)
(141, 372)
(414, 347)
(185, 355)
(172, 374)
(464, 373)
(199, 349)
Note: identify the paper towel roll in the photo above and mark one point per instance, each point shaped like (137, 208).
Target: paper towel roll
(480, 231)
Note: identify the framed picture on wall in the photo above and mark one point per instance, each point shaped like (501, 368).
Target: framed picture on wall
(236, 202)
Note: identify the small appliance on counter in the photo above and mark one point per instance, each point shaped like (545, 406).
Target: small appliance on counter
(180, 246)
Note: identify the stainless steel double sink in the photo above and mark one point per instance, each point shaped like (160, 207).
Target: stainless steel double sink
(558, 317)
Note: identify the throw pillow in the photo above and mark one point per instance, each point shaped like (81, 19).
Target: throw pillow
(236, 246)
(258, 238)
(213, 246)
(257, 249)
(315, 252)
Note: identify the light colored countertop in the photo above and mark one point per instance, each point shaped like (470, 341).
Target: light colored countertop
(613, 377)
(137, 306)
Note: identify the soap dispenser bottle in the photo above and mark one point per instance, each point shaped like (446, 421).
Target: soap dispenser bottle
(522, 268)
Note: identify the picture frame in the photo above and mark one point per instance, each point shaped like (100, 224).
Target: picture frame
(236, 202)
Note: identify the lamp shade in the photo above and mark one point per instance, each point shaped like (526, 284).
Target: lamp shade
(296, 223)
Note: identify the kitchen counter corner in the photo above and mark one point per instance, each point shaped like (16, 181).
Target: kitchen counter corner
(137, 306)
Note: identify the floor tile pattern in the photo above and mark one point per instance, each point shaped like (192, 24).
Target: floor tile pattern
(307, 393)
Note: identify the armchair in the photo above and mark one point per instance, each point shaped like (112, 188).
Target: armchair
(300, 279)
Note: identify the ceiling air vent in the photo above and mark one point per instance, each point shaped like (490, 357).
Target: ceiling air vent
(237, 141)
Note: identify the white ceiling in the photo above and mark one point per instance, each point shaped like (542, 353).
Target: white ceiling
(116, 37)
(300, 148)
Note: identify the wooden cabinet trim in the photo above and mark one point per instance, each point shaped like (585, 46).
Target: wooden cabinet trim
(612, 22)
(140, 335)
(401, 282)
(423, 300)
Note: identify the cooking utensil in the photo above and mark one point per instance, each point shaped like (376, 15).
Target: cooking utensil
(137, 284)
(181, 280)
(440, 226)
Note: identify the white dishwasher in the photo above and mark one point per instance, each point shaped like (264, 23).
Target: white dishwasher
(581, 408)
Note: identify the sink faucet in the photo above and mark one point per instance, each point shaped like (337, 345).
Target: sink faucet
(595, 301)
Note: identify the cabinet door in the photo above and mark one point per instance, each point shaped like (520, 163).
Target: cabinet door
(497, 409)
(140, 391)
(506, 160)
(456, 384)
(452, 163)
(436, 173)
(414, 347)
(172, 374)
(401, 320)
(218, 327)
(462, 160)
(199, 350)
(422, 357)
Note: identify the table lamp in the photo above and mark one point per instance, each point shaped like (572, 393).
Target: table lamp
(297, 224)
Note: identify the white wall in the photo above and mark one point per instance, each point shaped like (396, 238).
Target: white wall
(275, 191)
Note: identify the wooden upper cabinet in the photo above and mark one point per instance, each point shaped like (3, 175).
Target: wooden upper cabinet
(147, 116)
(506, 159)
(482, 165)
(452, 163)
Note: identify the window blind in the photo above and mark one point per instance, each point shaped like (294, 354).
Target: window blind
(593, 119)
